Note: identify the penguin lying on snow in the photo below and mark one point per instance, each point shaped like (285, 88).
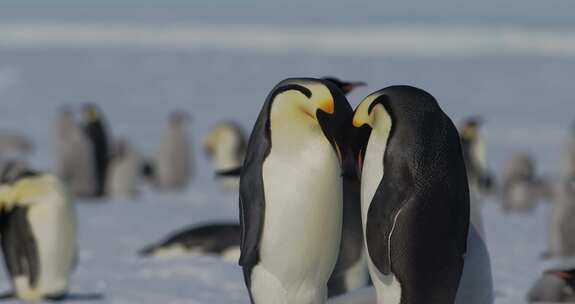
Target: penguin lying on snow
(219, 239)
(291, 193)
(557, 286)
(38, 233)
(415, 203)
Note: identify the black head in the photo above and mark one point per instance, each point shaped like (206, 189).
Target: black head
(179, 117)
(91, 112)
(403, 109)
(345, 86)
(14, 170)
(470, 127)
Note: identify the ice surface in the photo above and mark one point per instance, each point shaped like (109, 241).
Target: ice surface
(527, 102)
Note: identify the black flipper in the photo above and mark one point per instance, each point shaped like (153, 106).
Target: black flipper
(19, 246)
(252, 199)
(234, 172)
(7, 295)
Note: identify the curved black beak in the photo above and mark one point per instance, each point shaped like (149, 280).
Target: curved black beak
(347, 87)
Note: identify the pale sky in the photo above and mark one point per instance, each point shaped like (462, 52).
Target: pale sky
(548, 13)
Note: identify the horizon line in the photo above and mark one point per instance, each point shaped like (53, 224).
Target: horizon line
(418, 40)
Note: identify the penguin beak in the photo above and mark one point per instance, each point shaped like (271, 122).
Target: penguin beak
(327, 106)
(348, 87)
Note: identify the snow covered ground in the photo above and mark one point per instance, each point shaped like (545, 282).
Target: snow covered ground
(527, 101)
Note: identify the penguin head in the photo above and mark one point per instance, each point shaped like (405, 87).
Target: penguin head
(345, 86)
(227, 137)
(179, 118)
(470, 128)
(65, 120)
(314, 102)
(394, 107)
(91, 113)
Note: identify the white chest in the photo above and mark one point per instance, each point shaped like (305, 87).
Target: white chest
(387, 287)
(303, 211)
(372, 172)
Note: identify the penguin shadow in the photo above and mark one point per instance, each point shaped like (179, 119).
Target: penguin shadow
(78, 297)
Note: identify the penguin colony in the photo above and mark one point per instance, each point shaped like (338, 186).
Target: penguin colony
(331, 199)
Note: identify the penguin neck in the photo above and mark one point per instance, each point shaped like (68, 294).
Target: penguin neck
(291, 127)
(373, 166)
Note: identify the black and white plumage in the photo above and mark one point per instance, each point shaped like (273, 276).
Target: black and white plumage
(474, 155)
(96, 130)
(75, 164)
(291, 194)
(415, 200)
(38, 233)
(225, 146)
(221, 239)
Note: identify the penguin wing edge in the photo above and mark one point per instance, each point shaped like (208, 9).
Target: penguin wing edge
(381, 223)
(251, 222)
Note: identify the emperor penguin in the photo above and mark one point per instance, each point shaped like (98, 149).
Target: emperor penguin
(38, 233)
(561, 226)
(520, 186)
(225, 146)
(415, 203)
(124, 171)
(291, 193)
(173, 164)
(221, 239)
(480, 179)
(96, 130)
(74, 156)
